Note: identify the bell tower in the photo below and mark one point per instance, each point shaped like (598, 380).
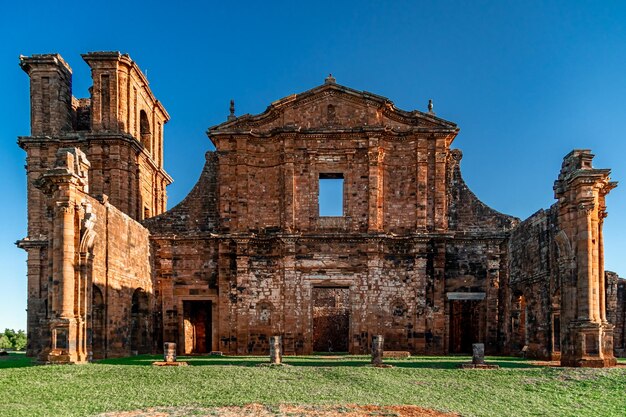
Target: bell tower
(108, 146)
(119, 127)
(126, 133)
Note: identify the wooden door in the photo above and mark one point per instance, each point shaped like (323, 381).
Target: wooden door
(464, 325)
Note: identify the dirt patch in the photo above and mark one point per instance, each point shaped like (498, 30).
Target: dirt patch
(259, 410)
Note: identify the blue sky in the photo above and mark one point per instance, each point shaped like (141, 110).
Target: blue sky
(526, 81)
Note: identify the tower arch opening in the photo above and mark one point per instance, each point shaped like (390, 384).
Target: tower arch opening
(145, 131)
(139, 322)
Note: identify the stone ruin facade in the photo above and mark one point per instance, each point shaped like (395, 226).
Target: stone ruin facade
(412, 255)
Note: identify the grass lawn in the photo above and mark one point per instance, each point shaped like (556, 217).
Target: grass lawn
(517, 389)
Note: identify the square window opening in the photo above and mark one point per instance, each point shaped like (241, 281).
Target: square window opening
(330, 197)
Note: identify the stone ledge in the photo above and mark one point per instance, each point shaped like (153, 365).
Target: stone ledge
(161, 363)
(477, 366)
(396, 354)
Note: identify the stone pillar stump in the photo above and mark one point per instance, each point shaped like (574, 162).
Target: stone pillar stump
(478, 353)
(377, 350)
(276, 354)
(169, 352)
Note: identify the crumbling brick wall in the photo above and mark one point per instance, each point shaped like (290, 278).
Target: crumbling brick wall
(534, 285)
(121, 267)
(197, 213)
(185, 256)
(616, 310)
(466, 213)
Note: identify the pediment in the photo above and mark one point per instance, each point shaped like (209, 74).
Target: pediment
(332, 107)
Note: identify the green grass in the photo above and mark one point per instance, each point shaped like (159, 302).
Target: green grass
(517, 389)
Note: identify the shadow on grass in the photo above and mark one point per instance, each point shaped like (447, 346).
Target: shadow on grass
(15, 360)
(418, 362)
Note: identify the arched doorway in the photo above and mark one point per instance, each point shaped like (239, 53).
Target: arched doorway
(97, 323)
(139, 323)
(519, 323)
(145, 131)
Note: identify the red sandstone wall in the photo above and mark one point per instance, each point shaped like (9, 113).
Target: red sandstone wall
(273, 182)
(535, 276)
(121, 266)
(616, 310)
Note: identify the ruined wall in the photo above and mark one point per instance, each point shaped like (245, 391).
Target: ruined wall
(616, 310)
(534, 287)
(89, 266)
(476, 268)
(250, 240)
(620, 321)
(475, 271)
(393, 164)
(121, 270)
(197, 213)
(185, 258)
(273, 182)
(276, 286)
(466, 213)
(185, 271)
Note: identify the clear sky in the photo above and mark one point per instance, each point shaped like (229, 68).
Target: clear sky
(526, 81)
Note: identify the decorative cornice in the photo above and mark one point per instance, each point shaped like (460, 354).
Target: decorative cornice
(387, 132)
(345, 237)
(70, 138)
(28, 243)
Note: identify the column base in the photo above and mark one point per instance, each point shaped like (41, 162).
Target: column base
(591, 346)
(64, 343)
(589, 362)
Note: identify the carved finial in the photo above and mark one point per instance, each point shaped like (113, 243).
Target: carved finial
(430, 106)
(330, 79)
(232, 116)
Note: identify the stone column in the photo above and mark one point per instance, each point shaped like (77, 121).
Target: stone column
(64, 255)
(276, 354)
(581, 190)
(421, 183)
(242, 280)
(378, 342)
(293, 310)
(440, 185)
(64, 187)
(602, 293)
(63, 325)
(289, 197)
(375, 198)
(169, 352)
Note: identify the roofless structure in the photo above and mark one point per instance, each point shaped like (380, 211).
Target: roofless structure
(409, 252)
